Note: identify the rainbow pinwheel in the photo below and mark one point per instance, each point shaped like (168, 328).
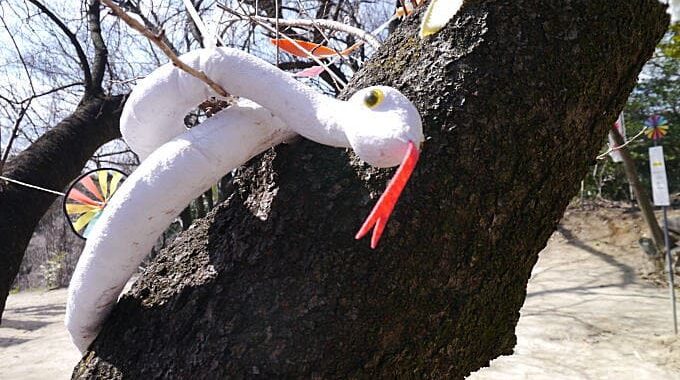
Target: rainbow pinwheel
(86, 198)
(656, 127)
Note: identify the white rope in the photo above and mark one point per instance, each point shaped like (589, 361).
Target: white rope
(32, 186)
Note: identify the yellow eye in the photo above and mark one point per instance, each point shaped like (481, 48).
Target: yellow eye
(373, 98)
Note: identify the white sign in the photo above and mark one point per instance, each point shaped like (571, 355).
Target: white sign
(621, 127)
(657, 166)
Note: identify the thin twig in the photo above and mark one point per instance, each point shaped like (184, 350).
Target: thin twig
(603, 155)
(129, 6)
(53, 90)
(276, 22)
(35, 96)
(13, 136)
(156, 39)
(21, 56)
(112, 153)
(328, 24)
(317, 28)
(340, 82)
(24, 107)
(82, 57)
(124, 81)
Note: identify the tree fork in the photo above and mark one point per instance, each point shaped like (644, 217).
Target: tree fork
(516, 98)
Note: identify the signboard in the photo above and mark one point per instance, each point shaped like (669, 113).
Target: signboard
(657, 166)
(621, 127)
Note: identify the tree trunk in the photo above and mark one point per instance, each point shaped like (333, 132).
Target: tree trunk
(54, 160)
(516, 98)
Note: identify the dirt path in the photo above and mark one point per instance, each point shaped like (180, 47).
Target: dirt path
(588, 315)
(33, 340)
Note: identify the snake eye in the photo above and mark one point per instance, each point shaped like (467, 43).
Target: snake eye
(373, 98)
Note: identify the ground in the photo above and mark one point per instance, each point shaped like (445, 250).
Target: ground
(33, 340)
(588, 314)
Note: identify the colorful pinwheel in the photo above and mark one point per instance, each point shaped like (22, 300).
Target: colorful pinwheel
(86, 198)
(656, 127)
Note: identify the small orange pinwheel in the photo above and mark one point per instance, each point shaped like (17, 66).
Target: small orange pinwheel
(317, 50)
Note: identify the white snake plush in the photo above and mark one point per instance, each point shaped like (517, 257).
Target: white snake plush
(379, 123)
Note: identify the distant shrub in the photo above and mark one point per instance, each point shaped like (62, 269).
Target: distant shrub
(55, 271)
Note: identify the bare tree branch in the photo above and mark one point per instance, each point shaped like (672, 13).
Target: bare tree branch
(100, 51)
(328, 24)
(82, 57)
(116, 153)
(41, 94)
(53, 90)
(156, 39)
(340, 83)
(13, 136)
(19, 54)
(24, 107)
(155, 27)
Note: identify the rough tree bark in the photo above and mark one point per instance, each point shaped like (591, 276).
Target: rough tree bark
(516, 96)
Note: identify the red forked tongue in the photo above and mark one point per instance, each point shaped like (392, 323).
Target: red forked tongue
(382, 210)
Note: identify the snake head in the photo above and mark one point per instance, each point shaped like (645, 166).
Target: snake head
(385, 131)
(382, 123)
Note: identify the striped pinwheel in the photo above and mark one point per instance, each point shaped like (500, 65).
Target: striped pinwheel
(88, 195)
(656, 127)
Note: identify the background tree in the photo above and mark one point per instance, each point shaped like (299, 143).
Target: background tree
(657, 92)
(516, 96)
(57, 156)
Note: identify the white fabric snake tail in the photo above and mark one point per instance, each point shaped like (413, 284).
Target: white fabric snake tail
(379, 123)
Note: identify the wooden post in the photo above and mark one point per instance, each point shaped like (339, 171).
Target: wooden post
(640, 194)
